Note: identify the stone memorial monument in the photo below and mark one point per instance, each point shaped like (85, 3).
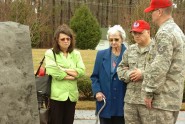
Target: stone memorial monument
(18, 101)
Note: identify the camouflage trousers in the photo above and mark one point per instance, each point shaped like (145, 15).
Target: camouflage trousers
(139, 114)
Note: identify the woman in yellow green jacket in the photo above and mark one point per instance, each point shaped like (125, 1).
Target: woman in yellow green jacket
(65, 67)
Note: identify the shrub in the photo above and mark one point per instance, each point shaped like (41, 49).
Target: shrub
(84, 86)
(86, 28)
(35, 34)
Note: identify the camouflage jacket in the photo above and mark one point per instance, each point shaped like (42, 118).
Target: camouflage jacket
(133, 58)
(164, 73)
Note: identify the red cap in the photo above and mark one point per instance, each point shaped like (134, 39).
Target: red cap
(155, 4)
(140, 25)
(41, 71)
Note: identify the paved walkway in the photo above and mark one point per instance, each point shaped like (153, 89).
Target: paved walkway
(88, 117)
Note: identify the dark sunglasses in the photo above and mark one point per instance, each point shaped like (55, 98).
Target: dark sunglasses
(114, 39)
(63, 39)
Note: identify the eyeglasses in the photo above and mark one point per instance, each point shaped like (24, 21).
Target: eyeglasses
(114, 39)
(136, 33)
(63, 39)
(67, 39)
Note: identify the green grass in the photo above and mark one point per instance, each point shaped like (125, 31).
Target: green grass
(85, 105)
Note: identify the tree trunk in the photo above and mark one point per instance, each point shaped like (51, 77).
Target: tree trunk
(61, 12)
(107, 14)
(98, 12)
(53, 16)
(69, 11)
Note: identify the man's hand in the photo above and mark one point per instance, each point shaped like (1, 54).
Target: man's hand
(125, 68)
(136, 75)
(148, 103)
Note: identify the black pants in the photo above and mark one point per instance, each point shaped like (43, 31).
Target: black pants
(62, 112)
(112, 120)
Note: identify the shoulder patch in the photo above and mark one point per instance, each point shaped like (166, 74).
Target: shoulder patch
(161, 49)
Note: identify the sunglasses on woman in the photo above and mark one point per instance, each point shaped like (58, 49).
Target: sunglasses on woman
(114, 39)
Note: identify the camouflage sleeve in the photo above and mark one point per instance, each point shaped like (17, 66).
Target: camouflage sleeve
(123, 68)
(155, 72)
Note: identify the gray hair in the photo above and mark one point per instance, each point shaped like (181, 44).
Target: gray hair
(114, 29)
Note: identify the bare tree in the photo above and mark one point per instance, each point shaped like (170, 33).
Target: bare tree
(53, 15)
(61, 12)
(69, 9)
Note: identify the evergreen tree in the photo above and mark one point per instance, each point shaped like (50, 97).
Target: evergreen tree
(86, 28)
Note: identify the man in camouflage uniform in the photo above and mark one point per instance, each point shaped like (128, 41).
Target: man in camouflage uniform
(164, 74)
(131, 70)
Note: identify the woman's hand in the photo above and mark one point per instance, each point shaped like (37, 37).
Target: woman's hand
(71, 72)
(69, 77)
(99, 96)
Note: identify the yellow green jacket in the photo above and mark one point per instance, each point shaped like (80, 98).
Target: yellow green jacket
(62, 89)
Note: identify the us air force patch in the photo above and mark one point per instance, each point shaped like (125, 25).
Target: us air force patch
(161, 49)
(136, 24)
